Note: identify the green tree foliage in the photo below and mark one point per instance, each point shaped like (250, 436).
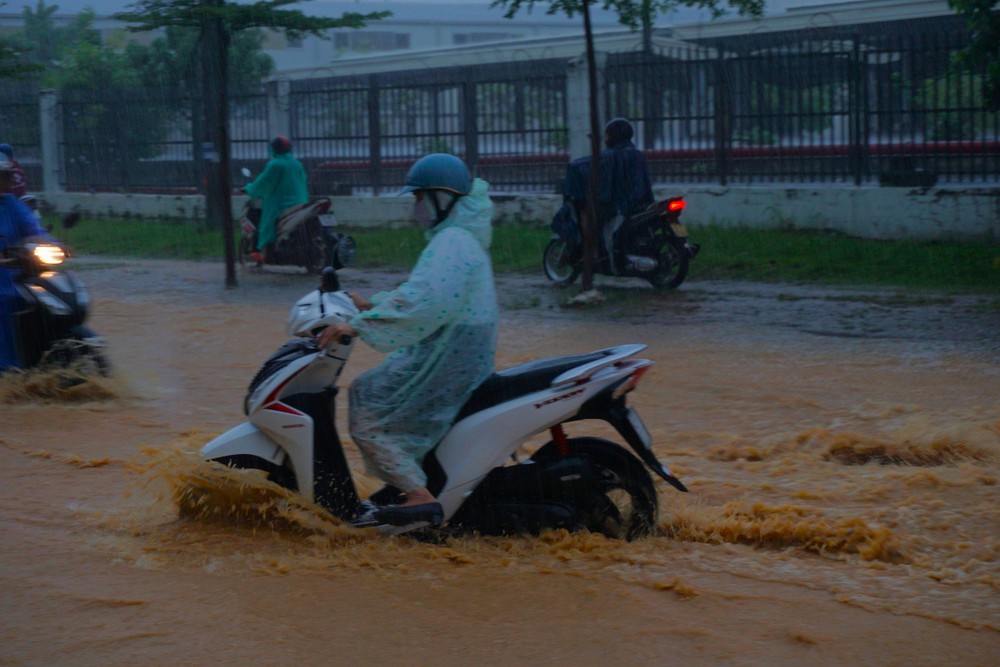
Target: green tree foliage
(155, 14)
(217, 21)
(14, 62)
(983, 54)
(170, 63)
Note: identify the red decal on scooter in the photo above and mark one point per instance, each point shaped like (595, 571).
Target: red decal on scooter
(281, 407)
(556, 399)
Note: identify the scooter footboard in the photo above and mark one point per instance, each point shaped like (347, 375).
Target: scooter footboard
(244, 439)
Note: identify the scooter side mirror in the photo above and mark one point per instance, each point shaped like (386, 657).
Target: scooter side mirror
(331, 282)
(246, 172)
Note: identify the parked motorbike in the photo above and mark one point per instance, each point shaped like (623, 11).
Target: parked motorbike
(50, 327)
(652, 245)
(571, 482)
(304, 236)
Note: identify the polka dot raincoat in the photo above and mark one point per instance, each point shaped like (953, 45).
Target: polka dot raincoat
(441, 330)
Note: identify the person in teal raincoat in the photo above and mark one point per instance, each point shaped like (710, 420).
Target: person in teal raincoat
(440, 328)
(280, 186)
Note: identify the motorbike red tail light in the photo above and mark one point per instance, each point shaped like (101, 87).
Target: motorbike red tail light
(630, 383)
(676, 205)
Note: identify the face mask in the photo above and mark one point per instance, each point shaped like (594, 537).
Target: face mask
(423, 215)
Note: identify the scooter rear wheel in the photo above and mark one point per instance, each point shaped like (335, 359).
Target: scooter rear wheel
(672, 261)
(561, 262)
(624, 503)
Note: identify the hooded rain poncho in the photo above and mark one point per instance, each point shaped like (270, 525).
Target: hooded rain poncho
(280, 186)
(441, 329)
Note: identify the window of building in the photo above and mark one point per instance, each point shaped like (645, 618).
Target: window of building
(371, 40)
(476, 37)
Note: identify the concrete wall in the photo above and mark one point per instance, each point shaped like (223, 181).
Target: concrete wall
(971, 214)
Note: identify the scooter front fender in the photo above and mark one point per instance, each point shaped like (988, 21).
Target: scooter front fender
(244, 439)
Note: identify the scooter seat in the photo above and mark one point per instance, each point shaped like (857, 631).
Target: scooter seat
(517, 381)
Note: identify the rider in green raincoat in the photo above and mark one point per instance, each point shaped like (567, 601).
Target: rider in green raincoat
(280, 186)
(440, 328)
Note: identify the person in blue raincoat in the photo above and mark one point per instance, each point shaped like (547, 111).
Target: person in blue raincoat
(440, 327)
(18, 225)
(280, 186)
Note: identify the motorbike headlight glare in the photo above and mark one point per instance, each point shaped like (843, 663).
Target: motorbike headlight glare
(56, 305)
(49, 254)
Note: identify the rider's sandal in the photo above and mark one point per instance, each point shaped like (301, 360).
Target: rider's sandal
(404, 515)
(365, 517)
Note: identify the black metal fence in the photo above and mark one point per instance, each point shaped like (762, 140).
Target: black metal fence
(805, 108)
(898, 111)
(362, 133)
(19, 123)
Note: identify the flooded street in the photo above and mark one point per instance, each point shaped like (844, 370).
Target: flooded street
(842, 449)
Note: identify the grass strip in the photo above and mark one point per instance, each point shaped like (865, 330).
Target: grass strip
(727, 253)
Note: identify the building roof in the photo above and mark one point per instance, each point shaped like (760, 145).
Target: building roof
(413, 11)
(837, 20)
(486, 53)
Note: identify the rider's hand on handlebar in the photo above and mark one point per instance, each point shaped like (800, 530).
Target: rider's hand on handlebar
(337, 331)
(361, 302)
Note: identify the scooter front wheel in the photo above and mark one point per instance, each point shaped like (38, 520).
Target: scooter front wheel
(561, 262)
(623, 504)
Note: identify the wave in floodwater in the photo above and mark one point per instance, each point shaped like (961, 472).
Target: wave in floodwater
(65, 384)
(780, 526)
(208, 492)
(918, 442)
(883, 540)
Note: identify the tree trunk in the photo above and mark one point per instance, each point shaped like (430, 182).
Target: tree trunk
(588, 224)
(215, 151)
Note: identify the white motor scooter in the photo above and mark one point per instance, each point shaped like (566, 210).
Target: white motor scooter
(573, 483)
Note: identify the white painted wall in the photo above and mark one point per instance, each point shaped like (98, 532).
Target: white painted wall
(969, 214)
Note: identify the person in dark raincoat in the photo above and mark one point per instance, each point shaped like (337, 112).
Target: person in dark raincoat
(280, 186)
(623, 186)
(18, 225)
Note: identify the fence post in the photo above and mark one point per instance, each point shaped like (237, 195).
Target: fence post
(279, 108)
(578, 101)
(856, 114)
(470, 123)
(723, 120)
(374, 134)
(51, 136)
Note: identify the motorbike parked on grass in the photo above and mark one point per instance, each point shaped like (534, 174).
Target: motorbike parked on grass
(304, 236)
(652, 245)
(571, 482)
(49, 326)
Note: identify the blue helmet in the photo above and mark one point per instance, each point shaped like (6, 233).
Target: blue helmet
(7, 150)
(438, 171)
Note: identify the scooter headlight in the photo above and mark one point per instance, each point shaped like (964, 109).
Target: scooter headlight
(49, 254)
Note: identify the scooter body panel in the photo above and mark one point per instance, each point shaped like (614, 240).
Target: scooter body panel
(245, 439)
(500, 430)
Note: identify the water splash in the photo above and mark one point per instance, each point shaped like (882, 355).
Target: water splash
(63, 384)
(780, 526)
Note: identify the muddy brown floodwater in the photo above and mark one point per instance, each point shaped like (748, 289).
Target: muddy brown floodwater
(842, 448)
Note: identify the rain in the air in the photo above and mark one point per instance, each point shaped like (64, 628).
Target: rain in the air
(502, 332)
